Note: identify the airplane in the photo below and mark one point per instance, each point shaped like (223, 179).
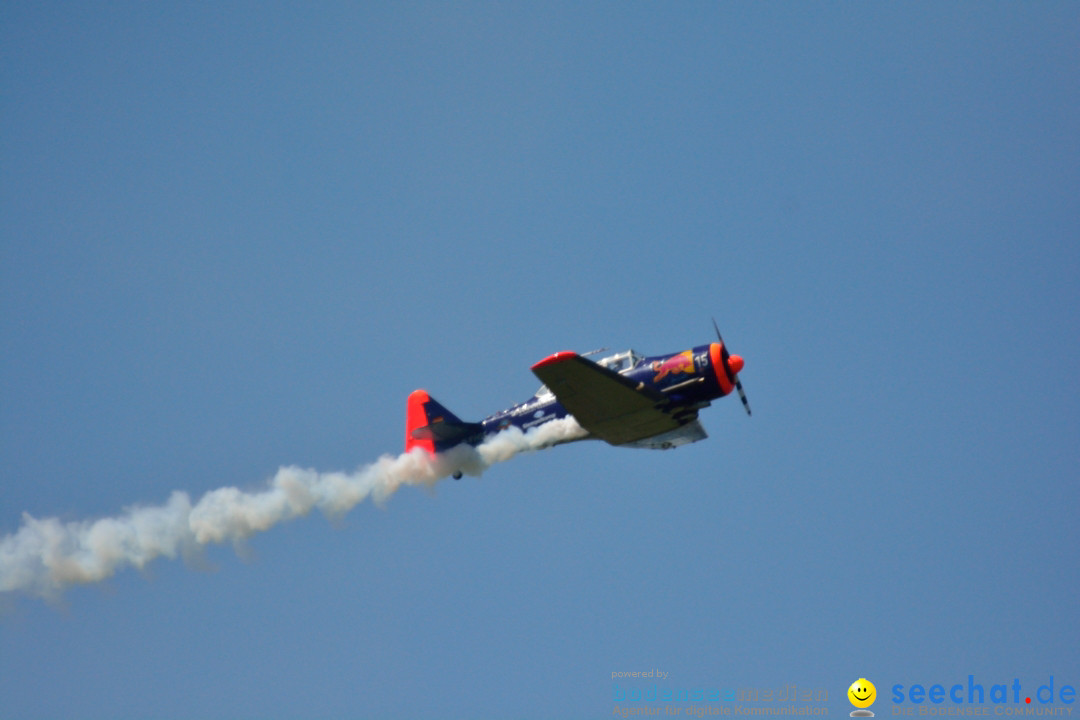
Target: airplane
(625, 399)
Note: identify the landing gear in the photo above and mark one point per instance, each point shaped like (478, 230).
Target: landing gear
(457, 475)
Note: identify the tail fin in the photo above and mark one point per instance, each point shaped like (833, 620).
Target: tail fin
(430, 426)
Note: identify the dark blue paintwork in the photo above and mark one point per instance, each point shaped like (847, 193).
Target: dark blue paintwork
(687, 379)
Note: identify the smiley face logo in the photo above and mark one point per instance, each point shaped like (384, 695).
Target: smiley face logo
(862, 693)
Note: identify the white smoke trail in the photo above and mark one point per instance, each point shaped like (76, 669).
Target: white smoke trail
(45, 556)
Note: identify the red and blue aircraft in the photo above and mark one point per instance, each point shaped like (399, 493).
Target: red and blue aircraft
(625, 399)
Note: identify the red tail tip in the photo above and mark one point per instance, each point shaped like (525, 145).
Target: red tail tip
(415, 418)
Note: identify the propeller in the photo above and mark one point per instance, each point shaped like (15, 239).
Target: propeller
(732, 365)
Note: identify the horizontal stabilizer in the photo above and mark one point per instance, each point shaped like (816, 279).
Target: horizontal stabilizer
(447, 432)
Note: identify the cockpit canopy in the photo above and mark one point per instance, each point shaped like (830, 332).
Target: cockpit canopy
(620, 362)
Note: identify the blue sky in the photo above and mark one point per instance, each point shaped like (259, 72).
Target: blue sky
(236, 237)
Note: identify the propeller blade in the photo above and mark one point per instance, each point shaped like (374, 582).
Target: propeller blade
(742, 396)
(733, 377)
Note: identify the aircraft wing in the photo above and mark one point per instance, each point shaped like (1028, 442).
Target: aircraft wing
(610, 406)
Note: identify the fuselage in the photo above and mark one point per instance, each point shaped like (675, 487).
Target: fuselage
(690, 380)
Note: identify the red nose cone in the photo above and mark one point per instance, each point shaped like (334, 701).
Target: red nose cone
(735, 364)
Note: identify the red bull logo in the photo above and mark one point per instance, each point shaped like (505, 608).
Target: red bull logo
(681, 363)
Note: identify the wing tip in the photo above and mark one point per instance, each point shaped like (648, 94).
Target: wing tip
(557, 357)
